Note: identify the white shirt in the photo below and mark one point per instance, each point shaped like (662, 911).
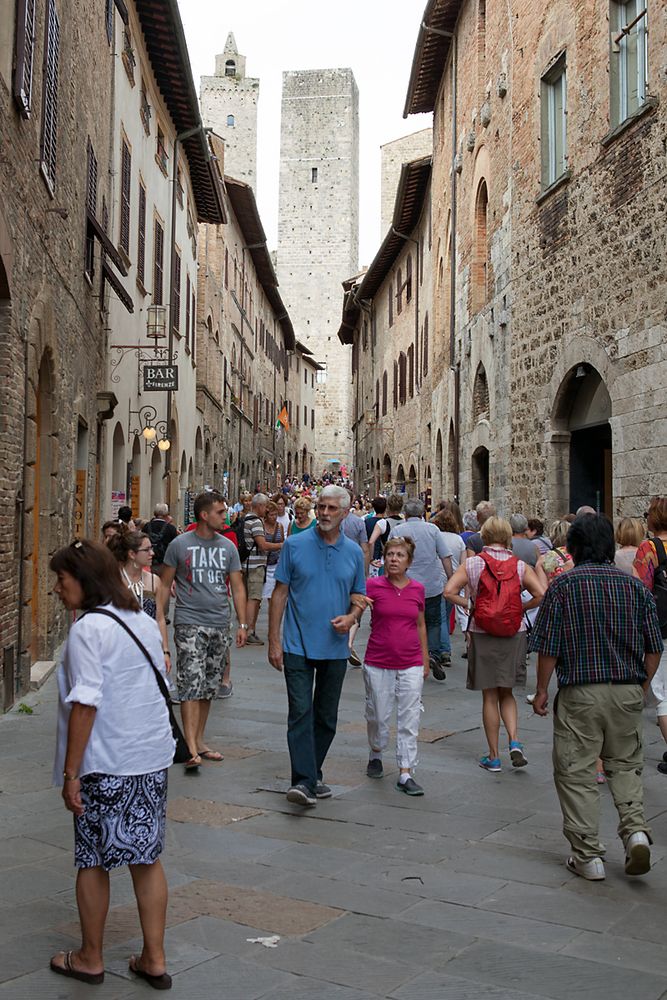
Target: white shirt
(103, 667)
(456, 546)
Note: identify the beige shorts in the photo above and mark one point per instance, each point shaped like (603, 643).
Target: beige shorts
(254, 581)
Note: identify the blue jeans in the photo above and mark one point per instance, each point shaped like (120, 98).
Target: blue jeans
(432, 618)
(312, 719)
(445, 638)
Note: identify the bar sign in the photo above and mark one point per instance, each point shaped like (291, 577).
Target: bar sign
(160, 378)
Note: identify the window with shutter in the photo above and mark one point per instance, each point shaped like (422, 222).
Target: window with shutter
(125, 188)
(193, 328)
(176, 304)
(312, 420)
(49, 143)
(24, 51)
(91, 206)
(141, 235)
(425, 346)
(390, 303)
(411, 370)
(408, 278)
(384, 394)
(628, 69)
(187, 309)
(108, 17)
(158, 263)
(395, 392)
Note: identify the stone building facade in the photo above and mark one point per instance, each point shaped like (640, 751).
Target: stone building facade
(386, 320)
(245, 343)
(165, 181)
(52, 320)
(548, 229)
(318, 232)
(393, 155)
(229, 106)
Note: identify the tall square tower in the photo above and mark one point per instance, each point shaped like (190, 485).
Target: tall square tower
(318, 233)
(229, 107)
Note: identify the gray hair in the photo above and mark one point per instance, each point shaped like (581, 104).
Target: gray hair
(470, 522)
(519, 524)
(160, 510)
(337, 493)
(586, 509)
(485, 509)
(259, 498)
(413, 508)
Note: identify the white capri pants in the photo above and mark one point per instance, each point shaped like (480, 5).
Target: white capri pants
(659, 686)
(386, 689)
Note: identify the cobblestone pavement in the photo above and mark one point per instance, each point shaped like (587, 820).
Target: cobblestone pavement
(462, 894)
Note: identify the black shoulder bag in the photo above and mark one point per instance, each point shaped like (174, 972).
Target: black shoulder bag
(182, 751)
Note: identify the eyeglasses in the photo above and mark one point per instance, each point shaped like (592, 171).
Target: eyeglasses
(145, 549)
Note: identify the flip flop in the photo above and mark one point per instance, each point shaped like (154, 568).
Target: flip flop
(192, 764)
(92, 978)
(211, 755)
(162, 982)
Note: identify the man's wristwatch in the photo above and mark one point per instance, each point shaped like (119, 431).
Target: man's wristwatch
(243, 626)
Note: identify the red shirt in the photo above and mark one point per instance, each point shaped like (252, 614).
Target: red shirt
(394, 641)
(226, 532)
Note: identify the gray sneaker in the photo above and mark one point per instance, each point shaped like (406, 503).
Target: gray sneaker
(410, 787)
(437, 668)
(225, 690)
(374, 769)
(300, 795)
(254, 640)
(322, 791)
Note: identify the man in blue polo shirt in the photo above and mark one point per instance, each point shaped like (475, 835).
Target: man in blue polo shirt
(320, 581)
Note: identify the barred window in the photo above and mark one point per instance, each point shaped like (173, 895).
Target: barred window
(49, 143)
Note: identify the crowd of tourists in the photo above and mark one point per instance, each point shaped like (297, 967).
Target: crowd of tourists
(588, 599)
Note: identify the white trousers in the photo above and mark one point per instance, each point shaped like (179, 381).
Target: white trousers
(386, 689)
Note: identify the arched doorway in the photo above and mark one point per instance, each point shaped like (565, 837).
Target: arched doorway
(581, 442)
(480, 475)
(386, 470)
(451, 463)
(197, 481)
(400, 479)
(157, 491)
(412, 479)
(118, 468)
(135, 498)
(438, 485)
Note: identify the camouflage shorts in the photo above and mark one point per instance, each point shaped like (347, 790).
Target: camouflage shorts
(201, 653)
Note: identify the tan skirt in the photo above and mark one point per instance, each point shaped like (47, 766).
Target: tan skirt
(495, 661)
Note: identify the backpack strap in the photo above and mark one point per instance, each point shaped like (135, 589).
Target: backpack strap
(659, 550)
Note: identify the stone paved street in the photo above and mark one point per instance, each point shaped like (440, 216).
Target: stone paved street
(459, 895)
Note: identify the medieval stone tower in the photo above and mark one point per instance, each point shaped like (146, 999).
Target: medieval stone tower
(318, 234)
(229, 106)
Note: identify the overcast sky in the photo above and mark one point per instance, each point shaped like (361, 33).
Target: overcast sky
(376, 38)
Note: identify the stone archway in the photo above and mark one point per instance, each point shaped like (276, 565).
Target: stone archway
(386, 469)
(400, 479)
(480, 474)
(581, 443)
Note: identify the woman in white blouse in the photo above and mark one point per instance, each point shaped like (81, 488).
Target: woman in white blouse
(114, 747)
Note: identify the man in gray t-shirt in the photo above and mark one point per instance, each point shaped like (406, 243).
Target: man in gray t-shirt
(201, 562)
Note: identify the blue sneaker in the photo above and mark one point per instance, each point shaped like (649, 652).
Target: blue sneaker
(490, 763)
(517, 756)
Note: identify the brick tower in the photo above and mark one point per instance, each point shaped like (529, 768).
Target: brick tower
(229, 106)
(318, 234)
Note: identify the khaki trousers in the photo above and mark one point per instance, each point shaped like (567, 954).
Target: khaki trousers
(591, 721)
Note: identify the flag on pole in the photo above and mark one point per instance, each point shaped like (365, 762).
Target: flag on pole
(283, 419)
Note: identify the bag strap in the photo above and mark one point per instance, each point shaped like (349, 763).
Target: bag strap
(158, 676)
(659, 550)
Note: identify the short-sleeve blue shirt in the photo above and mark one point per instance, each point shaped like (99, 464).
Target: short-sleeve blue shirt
(320, 578)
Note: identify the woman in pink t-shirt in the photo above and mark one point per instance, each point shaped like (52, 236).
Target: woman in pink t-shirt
(396, 663)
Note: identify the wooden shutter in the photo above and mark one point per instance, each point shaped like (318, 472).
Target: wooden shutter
(193, 328)
(91, 206)
(158, 263)
(50, 100)
(176, 310)
(395, 394)
(125, 187)
(24, 51)
(187, 309)
(141, 235)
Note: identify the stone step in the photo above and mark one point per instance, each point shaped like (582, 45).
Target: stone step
(40, 673)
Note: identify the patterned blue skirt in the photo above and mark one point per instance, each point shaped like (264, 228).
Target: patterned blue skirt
(123, 822)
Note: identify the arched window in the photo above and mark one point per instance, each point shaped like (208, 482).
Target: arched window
(480, 395)
(230, 68)
(480, 269)
(395, 393)
(384, 394)
(402, 377)
(411, 370)
(408, 278)
(230, 121)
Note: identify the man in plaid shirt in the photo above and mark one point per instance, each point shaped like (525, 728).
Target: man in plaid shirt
(598, 629)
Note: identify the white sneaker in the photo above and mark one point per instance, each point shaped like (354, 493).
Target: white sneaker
(637, 854)
(592, 870)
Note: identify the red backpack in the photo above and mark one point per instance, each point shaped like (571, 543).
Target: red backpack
(498, 608)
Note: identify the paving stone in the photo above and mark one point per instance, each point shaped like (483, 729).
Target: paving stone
(386, 936)
(381, 975)
(45, 983)
(344, 895)
(223, 937)
(619, 952)
(592, 913)
(181, 956)
(207, 813)
(439, 986)
(425, 735)
(33, 882)
(428, 881)
(230, 978)
(24, 850)
(484, 923)
(27, 953)
(245, 873)
(512, 863)
(315, 989)
(556, 976)
(40, 914)
(420, 820)
(320, 860)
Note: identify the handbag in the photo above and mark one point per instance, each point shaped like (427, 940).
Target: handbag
(182, 751)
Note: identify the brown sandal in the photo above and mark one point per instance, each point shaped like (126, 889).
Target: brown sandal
(162, 982)
(192, 764)
(67, 969)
